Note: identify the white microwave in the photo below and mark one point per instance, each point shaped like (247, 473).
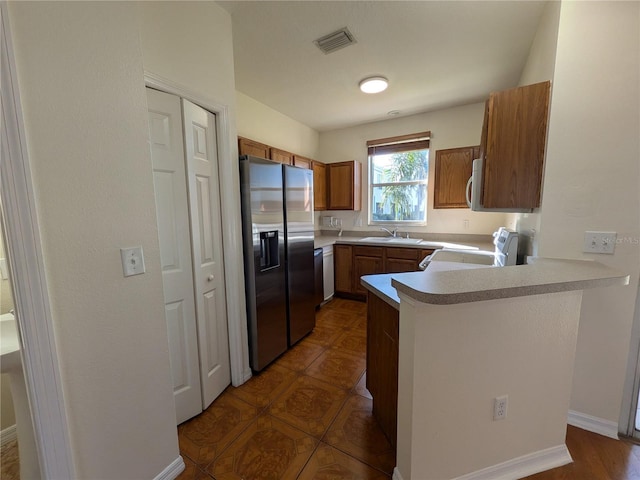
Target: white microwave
(474, 192)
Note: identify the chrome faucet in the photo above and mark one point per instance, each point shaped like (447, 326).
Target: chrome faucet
(393, 233)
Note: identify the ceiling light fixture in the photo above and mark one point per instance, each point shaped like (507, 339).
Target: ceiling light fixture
(374, 84)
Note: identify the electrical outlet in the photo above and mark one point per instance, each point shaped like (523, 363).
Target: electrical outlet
(500, 407)
(599, 242)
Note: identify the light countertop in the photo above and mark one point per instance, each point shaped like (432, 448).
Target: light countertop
(321, 241)
(447, 283)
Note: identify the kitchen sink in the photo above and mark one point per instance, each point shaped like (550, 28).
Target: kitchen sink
(394, 240)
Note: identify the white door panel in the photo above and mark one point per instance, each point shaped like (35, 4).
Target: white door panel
(170, 185)
(206, 223)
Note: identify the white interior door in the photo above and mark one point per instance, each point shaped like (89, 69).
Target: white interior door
(208, 265)
(170, 184)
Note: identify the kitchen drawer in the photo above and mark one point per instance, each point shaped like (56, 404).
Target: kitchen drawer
(368, 251)
(406, 253)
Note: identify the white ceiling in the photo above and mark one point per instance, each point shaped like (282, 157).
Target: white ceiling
(436, 54)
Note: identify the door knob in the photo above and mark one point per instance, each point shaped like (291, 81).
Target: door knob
(210, 278)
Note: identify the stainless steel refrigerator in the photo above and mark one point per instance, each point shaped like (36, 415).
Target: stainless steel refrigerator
(277, 221)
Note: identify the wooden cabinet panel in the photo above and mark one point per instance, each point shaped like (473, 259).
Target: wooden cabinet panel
(401, 259)
(319, 186)
(302, 162)
(368, 251)
(513, 144)
(280, 156)
(343, 268)
(344, 184)
(424, 253)
(382, 363)
(399, 265)
(452, 171)
(251, 147)
(363, 265)
(406, 253)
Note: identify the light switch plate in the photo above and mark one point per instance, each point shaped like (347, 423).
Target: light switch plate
(132, 261)
(599, 242)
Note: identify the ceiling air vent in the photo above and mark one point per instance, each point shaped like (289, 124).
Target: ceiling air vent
(335, 41)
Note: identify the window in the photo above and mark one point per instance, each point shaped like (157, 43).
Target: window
(398, 173)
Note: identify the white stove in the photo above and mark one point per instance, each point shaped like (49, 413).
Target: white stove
(505, 252)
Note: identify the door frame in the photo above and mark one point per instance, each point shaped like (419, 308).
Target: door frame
(229, 176)
(28, 277)
(631, 392)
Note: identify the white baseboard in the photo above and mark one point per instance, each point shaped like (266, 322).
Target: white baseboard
(8, 434)
(523, 466)
(172, 471)
(396, 474)
(593, 424)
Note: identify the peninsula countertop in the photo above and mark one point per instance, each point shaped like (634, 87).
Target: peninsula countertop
(447, 283)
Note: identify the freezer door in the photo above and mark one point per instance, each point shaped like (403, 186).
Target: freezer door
(298, 184)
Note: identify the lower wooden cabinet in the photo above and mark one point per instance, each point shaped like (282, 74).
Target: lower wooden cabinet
(352, 262)
(382, 363)
(366, 261)
(401, 259)
(343, 268)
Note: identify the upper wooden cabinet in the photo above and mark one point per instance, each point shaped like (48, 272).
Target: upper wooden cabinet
(281, 156)
(452, 171)
(512, 145)
(251, 147)
(344, 181)
(319, 186)
(302, 162)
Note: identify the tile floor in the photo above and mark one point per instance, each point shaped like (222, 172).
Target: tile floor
(306, 416)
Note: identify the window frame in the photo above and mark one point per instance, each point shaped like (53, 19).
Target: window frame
(391, 145)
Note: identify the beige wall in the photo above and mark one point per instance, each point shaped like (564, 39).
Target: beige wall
(453, 127)
(539, 68)
(259, 122)
(80, 76)
(454, 360)
(591, 183)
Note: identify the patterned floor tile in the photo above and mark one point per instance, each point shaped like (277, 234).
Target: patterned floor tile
(357, 433)
(268, 450)
(10, 461)
(325, 335)
(300, 357)
(344, 305)
(263, 388)
(361, 387)
(360, 324)
(335, 318)
(327, 463)
(204, 437)
(192, 472)
(309, 404)
(338, 368)
(352, 341)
